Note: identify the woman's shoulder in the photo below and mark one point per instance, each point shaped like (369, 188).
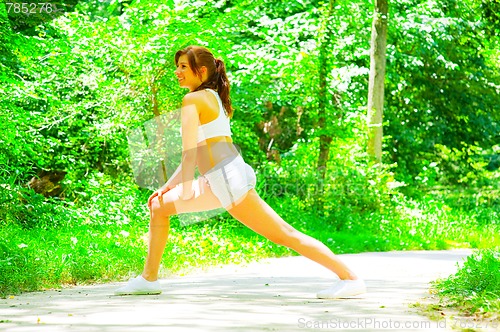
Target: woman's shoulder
(195, 96)
(201, 99)
(194, 99)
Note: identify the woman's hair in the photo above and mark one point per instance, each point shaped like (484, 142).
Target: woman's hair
(198, 57)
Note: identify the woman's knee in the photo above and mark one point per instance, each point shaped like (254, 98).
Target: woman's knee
(160, 208)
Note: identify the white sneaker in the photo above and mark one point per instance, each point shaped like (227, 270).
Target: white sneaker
(343, 289)
(139, 286)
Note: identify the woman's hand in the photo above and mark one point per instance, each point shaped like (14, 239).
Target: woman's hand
(187, 191)
(188, 194)
(184, 192)
(159, 193)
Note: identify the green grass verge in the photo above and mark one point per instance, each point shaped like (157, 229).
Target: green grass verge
(468, 300)
(475, 289)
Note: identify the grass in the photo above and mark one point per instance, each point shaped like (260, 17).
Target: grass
(39, 259)
(475, 289)
(468, 300)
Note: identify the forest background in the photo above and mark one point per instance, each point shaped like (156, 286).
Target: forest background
(80, 90)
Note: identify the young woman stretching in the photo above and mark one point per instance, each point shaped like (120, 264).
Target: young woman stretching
(226, 181)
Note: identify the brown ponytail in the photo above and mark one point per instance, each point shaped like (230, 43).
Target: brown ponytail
(198, 57)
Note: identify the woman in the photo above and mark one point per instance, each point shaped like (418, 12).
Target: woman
(226, 181)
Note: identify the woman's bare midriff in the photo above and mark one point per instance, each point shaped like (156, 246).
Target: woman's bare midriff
(221, 147)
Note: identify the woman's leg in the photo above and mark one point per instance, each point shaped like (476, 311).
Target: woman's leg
(256, 214)
(159, 226)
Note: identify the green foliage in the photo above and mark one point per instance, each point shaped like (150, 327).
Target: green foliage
(120, 64)
(350, 181)
(29, 209)
(475, 288)
(441, 86)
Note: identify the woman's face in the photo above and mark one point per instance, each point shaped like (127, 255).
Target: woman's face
(185, 75)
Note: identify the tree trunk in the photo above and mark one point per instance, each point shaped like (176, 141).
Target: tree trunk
(376, 83)
(325, 138)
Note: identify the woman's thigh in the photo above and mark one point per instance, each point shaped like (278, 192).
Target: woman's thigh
(257, 215)
(171, 204)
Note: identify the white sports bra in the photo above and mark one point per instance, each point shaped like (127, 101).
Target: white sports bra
(218, 127)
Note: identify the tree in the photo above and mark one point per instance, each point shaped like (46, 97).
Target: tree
(325, 137)
(376, 81)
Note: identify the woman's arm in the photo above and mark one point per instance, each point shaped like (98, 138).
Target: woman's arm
(185, 172)
(190, 121)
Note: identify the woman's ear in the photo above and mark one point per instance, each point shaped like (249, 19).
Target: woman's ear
(203, 72)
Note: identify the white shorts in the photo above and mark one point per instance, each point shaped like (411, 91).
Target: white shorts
(230, 180)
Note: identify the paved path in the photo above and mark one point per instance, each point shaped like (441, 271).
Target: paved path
(272, 295)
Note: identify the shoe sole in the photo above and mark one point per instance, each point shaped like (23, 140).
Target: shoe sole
(343, 296)
(340, 297)
(138, 293)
